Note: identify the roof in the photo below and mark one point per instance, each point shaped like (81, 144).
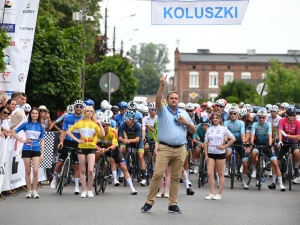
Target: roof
(252, 57)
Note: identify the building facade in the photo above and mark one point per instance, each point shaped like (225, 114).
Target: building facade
(202, 74)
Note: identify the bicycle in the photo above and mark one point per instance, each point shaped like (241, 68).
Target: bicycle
(102, 174)
(149, 163)
(202, 171)
(234, 166)
(260, 174)
(287, 166)
(132, 163)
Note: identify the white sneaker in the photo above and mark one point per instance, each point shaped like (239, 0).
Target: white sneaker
(160, 194)
(90, 194)
(245, 185)
(166, 194)
(282, 188)
(35, 194)
(83, 194)
(296, 180)
(76, 191)
(29, 194)
(217, 197)
(143, 182)
(53, 183)
(116, 183)
(134, 192)
(253, 174)
(210, 197)
(226, 172)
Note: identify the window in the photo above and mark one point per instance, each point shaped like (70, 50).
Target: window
(213, 80)
(194, 79)
(228, 77)
(246, 75)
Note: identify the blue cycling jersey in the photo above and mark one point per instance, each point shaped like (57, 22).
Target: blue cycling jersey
(69, 121)
(262, 132)
(138, 117)
(237, 128)
(131, 132)
(119, 118)
(113, 123)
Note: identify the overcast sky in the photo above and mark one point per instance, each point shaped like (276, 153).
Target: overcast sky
(269, 26)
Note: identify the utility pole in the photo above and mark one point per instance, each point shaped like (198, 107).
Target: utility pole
(83, 20)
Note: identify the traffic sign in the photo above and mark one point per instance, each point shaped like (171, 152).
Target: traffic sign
(193, 95)
(109, 82)
(262, 89)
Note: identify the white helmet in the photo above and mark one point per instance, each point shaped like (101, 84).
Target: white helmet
(108, 113)
(181, 105)
(209, 104)
(196, 105)
(26, 107)
(104, 105)
(79, 102)
(248, 107)
(268, 106)
(140, 108)
(220, 102)
(274, 108)
(284, 105)
(234, 109)
(70, 109)
(132, 105)
(189, 106)
(105, 120)
(241, 104)
(145, 103)
(99, 115)
(151, 105)
(242, 112)
(145, 109)
(262, 113)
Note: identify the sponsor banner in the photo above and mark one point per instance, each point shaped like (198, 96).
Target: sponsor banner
(4, 168)
(19, 19)
(198, 12)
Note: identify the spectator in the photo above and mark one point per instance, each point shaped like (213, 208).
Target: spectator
(4, 113)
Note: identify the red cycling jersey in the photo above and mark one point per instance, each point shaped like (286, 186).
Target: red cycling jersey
(292, 128)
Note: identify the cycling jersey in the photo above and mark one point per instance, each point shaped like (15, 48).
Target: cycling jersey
(274, 123)
(292, 128)
(131, 132)
(111, 138)
(69, 121)
(89, 132)
(199, 133)
(237, 128)
(262, 131)
(62, 117)
(248, 123)
(138, 117)
(147, 120)
(119, 118)
(34, 132)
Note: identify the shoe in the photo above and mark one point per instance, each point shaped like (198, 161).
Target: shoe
(134, 192)
(217, 197)
(90, 194)
(189, 191)
(76, 191)
(253, 174)
(210, 197)
(116, 183)
(272, 186)
(226, 172)
(53, 183)
(174, 209)
(143, 182)
(83, 194)
(35, 194)
(160, 194)
(282, 188)
(245, 185)
(190, 184)
(166, 194)
(296, 180)
(146, 208)
(296, 172)
(29, 194)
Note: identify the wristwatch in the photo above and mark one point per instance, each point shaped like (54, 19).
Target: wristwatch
(187, 123)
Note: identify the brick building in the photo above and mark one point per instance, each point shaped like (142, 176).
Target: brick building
(203, 73)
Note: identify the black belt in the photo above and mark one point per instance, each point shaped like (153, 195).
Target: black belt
(172, 146)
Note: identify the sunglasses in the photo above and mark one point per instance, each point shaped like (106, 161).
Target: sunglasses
(153, 110)
(204, 124)
(273, 111)
(6, 113)
(220, 106)
(128, 118)
(261, 117)
(78, 106)
(42, 110)
(232, 113)
(190, 110)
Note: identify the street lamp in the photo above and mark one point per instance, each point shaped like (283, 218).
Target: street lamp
(121, 52)
(114, 36)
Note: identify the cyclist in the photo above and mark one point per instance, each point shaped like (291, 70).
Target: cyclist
(129, 133)
(66, 141)
(181, 105)
(262, 131)
(115, 110)
(248, 118)
(138, 116)
(198, 139)
(237, 128)
(89, 102)
(208, 110)
(119, 118)
(109, 146)
(289, 133)
(220, 106)
(70, 110)
(283, 107)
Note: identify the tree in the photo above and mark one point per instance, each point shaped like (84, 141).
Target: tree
(117, 65)
(56, 62)
(4, 42)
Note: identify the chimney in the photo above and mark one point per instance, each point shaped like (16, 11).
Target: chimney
(251, 52)
(203, 51)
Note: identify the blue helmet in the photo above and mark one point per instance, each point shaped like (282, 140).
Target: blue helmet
(123, 105)
(89, 102)
(130, 114)
(255, 109)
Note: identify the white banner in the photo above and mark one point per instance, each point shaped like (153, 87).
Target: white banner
(4, 172)
(19, 19)
(198, 12)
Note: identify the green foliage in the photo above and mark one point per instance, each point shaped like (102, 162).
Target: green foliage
(283, 83)
(56, 62)
(241, 91)
(117, 65)
(4, 42)
(232, 99)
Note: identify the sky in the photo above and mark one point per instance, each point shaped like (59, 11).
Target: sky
(269, 26)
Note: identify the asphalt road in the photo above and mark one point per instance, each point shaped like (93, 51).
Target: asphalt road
(117, 206)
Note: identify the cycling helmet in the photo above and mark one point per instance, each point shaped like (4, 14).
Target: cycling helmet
(145, 110)
(209, 104)
(145, 103)
(79, 102)
(130, 114)
(204, 104)
(104, 105)
(291, 110)
(255, 109)
(284, 105)
(123, 105)
(196, 105)
(26, 107)
(132, 105)
(268, 107)
(151, 105)
(105, 120)
(70, 109)
(234, 109)
(115, 109)
(262, 112)
(181, 105)
(248, 107)
(243, 112)
(274, 108)
(241, 104)
(204, 119)
(99, 115)
(221, 102)
(140, 108)
(189, 106)
(89, 102)
(108, 113)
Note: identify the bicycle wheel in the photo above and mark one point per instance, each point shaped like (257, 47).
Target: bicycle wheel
(290, 171)
(259, 172)
(104, 175)
(201, 170)
(232, 168)
(283, 169)
(64, 176)
(97, 179)
(149, 168)
(137, 168)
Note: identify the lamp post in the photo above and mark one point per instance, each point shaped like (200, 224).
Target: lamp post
(114, 35)
(121, 52)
